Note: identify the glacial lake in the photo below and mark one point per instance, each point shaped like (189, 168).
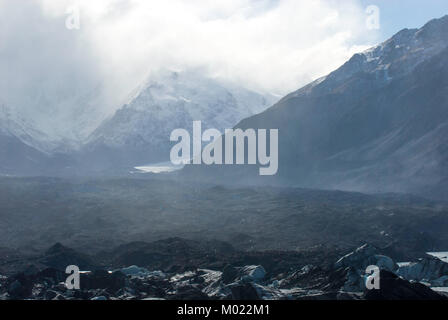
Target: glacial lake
(161, 167)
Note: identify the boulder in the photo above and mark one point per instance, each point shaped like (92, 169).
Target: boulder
(365, 256)
(135, 271)
(429, 269)
(356, 263)
(244, 291)
(255, 273)
(393, 287)
(229, 274)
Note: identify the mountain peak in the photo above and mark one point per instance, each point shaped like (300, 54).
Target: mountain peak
(394, 58)
(407, 48)
(441, 22)
(169, 100)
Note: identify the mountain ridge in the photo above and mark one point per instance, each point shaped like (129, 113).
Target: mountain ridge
(342, 131)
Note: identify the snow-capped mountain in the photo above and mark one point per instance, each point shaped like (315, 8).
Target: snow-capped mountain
(13, 124)
(139, 132)
(56, 120)
(23, 149)
(389, 60)
(378, 123)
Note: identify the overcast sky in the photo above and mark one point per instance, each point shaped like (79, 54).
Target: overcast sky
(268, 45)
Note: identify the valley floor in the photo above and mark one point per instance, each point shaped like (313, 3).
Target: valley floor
(266, 243)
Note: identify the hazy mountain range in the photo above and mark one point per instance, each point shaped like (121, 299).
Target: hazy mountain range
(138, 133)
(379, 123)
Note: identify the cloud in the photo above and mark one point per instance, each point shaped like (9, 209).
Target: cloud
(267, 45)
(44, 65)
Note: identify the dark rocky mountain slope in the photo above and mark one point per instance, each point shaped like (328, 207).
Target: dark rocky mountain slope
(378, 123)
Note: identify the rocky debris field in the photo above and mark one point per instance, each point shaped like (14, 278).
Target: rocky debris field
(179, 269)
(96, 215)
(243, 243)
